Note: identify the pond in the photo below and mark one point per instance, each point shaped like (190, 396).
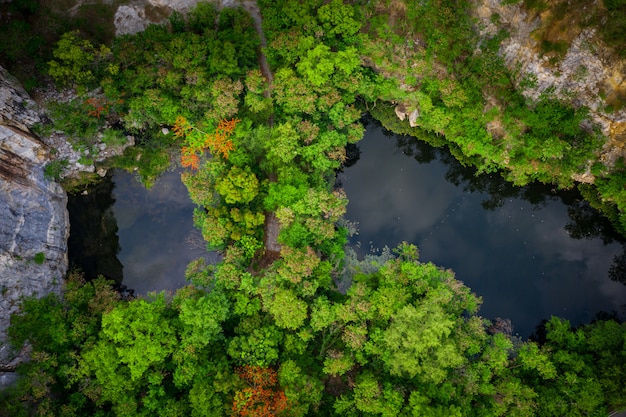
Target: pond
(529, 252)
(156, 232)
(143, 239)
(515, 247)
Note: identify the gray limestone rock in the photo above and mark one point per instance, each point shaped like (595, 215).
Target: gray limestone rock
(34, 223)
(413, 117)
(130, 20)
(400, 111)
(17, 109)
(136, 16)
(63, 148)
(577, 78)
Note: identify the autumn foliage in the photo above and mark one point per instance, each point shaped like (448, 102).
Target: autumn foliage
(197, 141)
(262, 397)
(100, 106)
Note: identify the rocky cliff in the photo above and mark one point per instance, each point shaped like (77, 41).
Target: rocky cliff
(557, 48)
(34, 224)
(582, 69)
(586, 73)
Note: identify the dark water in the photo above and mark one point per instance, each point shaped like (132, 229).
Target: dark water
(512, 246)
(93, 243)
(156, 232)
(530, 252)
(143, 239)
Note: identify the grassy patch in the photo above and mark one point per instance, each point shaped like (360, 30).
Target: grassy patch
(54, 169)
(39, 258)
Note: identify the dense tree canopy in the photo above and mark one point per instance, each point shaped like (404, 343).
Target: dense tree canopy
(266, 331)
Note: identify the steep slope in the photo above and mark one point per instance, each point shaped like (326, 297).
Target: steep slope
(560, 49)
(34, 223)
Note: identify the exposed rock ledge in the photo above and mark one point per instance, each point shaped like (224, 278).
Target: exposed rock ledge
(586, 72)
(34, 223)
(587, 75)
(136, 15)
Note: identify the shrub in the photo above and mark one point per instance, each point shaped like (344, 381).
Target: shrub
(54, 169)
(39, 258)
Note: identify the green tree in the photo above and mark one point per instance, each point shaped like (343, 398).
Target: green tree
(57, 330)
(287, 309)
(130, 357)
(337, 20)
(201, 318)
(238, 186)
(76, 60)
(320, 63)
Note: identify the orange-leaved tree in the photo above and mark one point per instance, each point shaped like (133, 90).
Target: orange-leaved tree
(262, 397)
(99, 106)
(197, 141)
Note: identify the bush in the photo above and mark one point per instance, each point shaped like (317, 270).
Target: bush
(614, 4)
(39, 258)
(148, 162)
(54, 169)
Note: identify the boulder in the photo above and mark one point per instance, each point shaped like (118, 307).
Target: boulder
(130, 20)
(413, 117)
(400, 111)
(34, 223)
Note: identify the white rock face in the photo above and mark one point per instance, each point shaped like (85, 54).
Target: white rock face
(182, 6)
(130, 20)
(16, 107)
(135, 17)
(34, 223)
(576, 78)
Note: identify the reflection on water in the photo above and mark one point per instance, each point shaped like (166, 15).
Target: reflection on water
(156, 232)
(512, 246)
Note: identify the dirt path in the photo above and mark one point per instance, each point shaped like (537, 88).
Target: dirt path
(251, 7)
(272, 226)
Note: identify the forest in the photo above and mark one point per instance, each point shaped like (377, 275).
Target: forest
(267, 332)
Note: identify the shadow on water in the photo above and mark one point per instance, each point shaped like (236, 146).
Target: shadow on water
(143, 239)
(93, 243)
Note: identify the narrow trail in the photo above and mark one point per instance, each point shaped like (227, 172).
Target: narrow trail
(272, 225)
(251, 7)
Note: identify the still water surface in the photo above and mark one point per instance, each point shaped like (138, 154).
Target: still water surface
(156, 234)
(514, 247)
(519, 256)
